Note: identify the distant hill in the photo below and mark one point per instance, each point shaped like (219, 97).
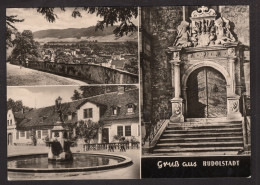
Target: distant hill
(78, 34)
(73, 32)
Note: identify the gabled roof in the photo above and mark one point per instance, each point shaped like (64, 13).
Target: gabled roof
(48, 116)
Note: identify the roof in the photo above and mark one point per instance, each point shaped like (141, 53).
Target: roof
(118, 63)
(47, 116)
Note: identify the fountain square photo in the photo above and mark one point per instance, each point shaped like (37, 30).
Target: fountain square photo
(73, 132)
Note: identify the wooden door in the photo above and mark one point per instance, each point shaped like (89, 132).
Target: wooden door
(105, 135)
(206, 94)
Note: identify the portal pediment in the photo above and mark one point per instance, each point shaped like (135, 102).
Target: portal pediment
(204, 30)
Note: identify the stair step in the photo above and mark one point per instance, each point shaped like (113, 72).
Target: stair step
(203, 126)
(204, 130)
(204, 144)
(209, 149)
(204, 139)
(188, 135)
(207, 153)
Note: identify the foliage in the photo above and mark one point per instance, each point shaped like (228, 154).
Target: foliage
(131, 65)
(117, 138)
(25, 47)
(88, 130)
(16, 106)
(46, 139)
(76, 95)
(133, 139)
(88, 91)
(62, 57)
(10, 29)
(110, 15)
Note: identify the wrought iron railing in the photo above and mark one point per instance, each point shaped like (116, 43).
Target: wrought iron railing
(163, 116)
(247, 120)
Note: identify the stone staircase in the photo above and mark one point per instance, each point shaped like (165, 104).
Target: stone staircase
(201, 138)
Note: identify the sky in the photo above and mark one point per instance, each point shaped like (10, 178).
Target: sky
(35, 21)
(37, 97)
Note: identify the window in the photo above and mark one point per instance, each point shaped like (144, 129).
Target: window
(127, 130)
(130, 108)
(39, 134)
(88, 113)
(44, 132)
(115, 110)
(27, 134)
(22, 133)
(10, 122)
(7, 122)
(120, 130)
(17, 135)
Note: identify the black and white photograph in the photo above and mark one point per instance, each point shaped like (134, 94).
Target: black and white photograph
(195, 88)
(72, 46)
(73, 132)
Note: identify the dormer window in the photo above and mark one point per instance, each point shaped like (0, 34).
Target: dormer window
(130, 108)
(115, 110)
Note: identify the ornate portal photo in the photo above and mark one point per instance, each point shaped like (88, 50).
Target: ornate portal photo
(196, 91)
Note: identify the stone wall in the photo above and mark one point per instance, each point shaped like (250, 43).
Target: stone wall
(90, 73)
(161, 23)
(239, 17)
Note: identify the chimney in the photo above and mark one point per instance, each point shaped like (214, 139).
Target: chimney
(121, 89)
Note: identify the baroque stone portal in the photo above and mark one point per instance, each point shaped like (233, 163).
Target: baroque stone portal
(205, 44)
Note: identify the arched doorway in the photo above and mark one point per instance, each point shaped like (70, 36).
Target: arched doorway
(206, 94)
(10, 139)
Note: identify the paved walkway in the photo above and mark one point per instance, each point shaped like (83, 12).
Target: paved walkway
(31, 77)
(128, 172)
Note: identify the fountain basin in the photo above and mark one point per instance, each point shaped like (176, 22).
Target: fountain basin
(38, 163)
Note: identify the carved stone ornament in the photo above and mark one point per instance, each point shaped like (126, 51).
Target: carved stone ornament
(204, 30)
(176, 56)
(177, 109)
(203, 11)
(231, 52)
(234, 106)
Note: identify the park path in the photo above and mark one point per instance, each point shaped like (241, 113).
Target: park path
(31, 77)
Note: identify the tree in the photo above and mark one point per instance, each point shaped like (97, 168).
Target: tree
(16, 106)
(88, 130)
(25, 47)
(88, 91)
(11, 29)
(131, 65)
(76, 95)
(110, 15)
(62, 57)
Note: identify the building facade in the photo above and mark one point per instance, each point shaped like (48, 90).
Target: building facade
(118, 112)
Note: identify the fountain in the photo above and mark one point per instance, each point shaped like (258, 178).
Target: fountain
(59, 147)
(60, 158)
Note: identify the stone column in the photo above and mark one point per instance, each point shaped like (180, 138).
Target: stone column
(177, 101)
(233, 106)
(177, 81)
(232, 75)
